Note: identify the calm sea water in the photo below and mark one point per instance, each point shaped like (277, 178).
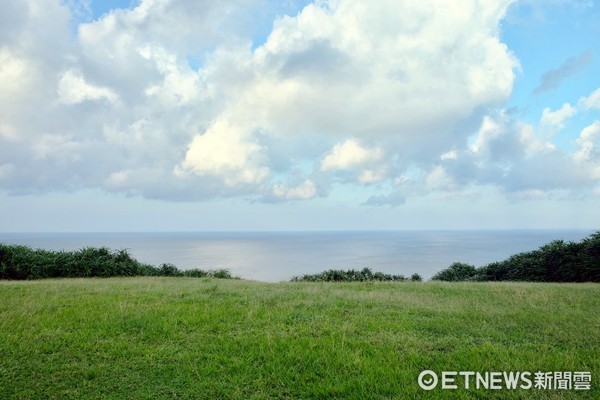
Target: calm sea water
(276, 256)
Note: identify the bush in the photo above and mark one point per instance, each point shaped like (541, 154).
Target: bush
(22, 262)
(169, 270)
(351, 275)
(456, 272)
(221, 274)
(195, 273)
(416, 278)
(556, 261)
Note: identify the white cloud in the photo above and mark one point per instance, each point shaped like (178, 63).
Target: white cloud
(449, 155)
(531, 142)
(336, 72)
(589, 146)
(489, 130)
(373, 175)
(516, 158)
(556, 119)
(304, 191)
(117, 180)
(438, 178)
(73, 89)
(226, 151)
(498, 141)
(348, 155)
(179, 86)
(174, 100)
(369, 71)
(14, 76)
(592, 101)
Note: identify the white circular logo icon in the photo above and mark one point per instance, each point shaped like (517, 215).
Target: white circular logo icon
(428, 380)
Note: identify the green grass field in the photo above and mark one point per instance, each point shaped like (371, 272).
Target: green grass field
(152, 337)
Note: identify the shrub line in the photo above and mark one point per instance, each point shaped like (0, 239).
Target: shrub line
(23, 263)
(556, 261)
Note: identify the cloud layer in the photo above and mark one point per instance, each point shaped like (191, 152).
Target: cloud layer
(175, 100)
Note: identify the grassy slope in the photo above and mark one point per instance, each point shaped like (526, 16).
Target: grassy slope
(209, 339)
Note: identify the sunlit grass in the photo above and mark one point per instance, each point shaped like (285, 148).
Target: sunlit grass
(154, 337)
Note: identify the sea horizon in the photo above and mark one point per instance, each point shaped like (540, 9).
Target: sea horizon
(280, 255)
(201, 231)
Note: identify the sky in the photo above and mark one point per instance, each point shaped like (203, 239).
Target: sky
(253, 115)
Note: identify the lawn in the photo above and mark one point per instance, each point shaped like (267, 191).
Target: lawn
(200, 338)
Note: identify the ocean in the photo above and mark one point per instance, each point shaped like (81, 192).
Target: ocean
(278, 256)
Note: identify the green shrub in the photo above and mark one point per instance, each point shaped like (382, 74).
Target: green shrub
(221, 274)
(351, 275)
(557, 261)
(195, 273)
(416, 278)
(456, 272)
(22, 262)
(170, 270)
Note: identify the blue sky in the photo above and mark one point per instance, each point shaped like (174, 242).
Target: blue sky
(545, 37)
(184, 115)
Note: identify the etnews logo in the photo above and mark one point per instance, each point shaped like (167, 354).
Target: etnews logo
(563, 380)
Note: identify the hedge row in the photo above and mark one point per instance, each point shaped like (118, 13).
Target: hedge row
(557, 261)
(352, 275)
(22, 262)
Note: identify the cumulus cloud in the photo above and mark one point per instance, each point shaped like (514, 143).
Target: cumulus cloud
(304, 191)
(348, 155)
(14, 72)
(556, 119)
(336, 72)
(177, 100)
(226, 151)
(72, 89)
(592, 101)
(514, 156)
(589, 151)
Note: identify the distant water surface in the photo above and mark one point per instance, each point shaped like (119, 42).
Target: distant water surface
(277, 256)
